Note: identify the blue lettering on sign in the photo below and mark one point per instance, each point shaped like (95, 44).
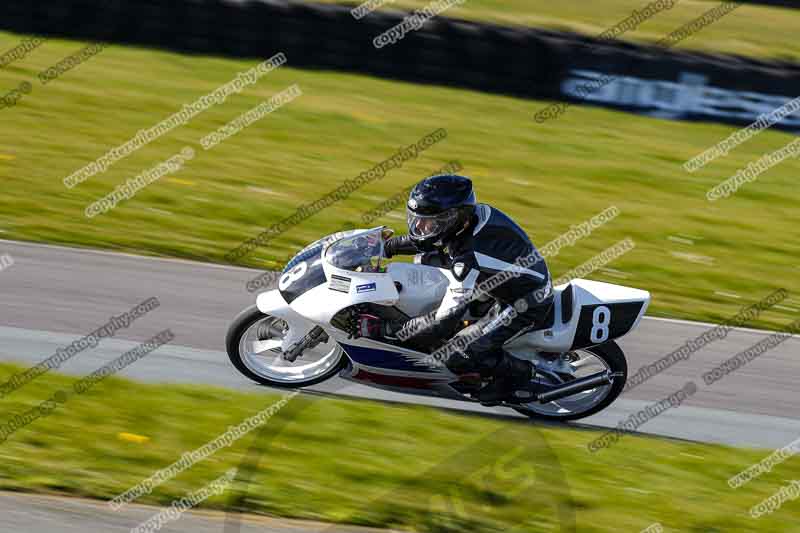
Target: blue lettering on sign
(367, 287)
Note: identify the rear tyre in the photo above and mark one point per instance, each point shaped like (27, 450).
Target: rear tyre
(613, 359)
(252, 330)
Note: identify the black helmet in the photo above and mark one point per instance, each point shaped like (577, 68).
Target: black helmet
(439, 208)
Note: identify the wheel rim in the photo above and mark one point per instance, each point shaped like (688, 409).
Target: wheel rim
(262, 356)
(585, 364)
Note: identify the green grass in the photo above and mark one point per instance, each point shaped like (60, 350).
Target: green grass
(547, 177)
(381, 465)
(751, 30)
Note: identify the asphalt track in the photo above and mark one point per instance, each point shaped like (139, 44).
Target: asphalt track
(25, 513)
(53, 295)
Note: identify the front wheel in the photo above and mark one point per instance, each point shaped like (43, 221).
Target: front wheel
(579, 363)
(254, 343)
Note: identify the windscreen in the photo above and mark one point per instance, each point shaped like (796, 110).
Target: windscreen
(362, 252)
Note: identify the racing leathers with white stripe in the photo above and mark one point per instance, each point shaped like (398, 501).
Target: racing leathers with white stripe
(492, 244)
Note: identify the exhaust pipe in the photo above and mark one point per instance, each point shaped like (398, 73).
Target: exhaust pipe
(578, 385)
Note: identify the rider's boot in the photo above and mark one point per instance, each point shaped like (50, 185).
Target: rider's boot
(510, 374)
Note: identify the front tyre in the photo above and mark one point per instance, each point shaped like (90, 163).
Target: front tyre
(254, 343)
(608, 356)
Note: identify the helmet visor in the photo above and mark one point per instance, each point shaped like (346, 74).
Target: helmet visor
(431, 226)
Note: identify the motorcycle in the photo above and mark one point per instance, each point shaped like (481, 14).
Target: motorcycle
(300, 334)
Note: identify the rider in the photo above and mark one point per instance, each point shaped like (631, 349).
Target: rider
(475, 242)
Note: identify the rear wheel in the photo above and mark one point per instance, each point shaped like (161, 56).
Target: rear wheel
(254, 343)
(580, 363)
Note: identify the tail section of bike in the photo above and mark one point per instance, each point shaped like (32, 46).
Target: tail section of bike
(586, 313)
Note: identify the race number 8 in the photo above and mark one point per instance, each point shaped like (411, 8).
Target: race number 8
(292, 276)
(601, 319)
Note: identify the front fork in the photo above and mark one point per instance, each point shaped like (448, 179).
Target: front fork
(314, 337)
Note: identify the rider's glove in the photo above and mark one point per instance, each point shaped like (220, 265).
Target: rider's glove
(400, 246)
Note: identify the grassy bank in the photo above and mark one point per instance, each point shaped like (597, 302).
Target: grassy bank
(373, 464)
(700, 260)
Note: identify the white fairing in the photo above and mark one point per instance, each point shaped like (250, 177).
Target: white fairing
(596, 303)
(348, 272)
(321, 303)
(272, 303)
(423, 287)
